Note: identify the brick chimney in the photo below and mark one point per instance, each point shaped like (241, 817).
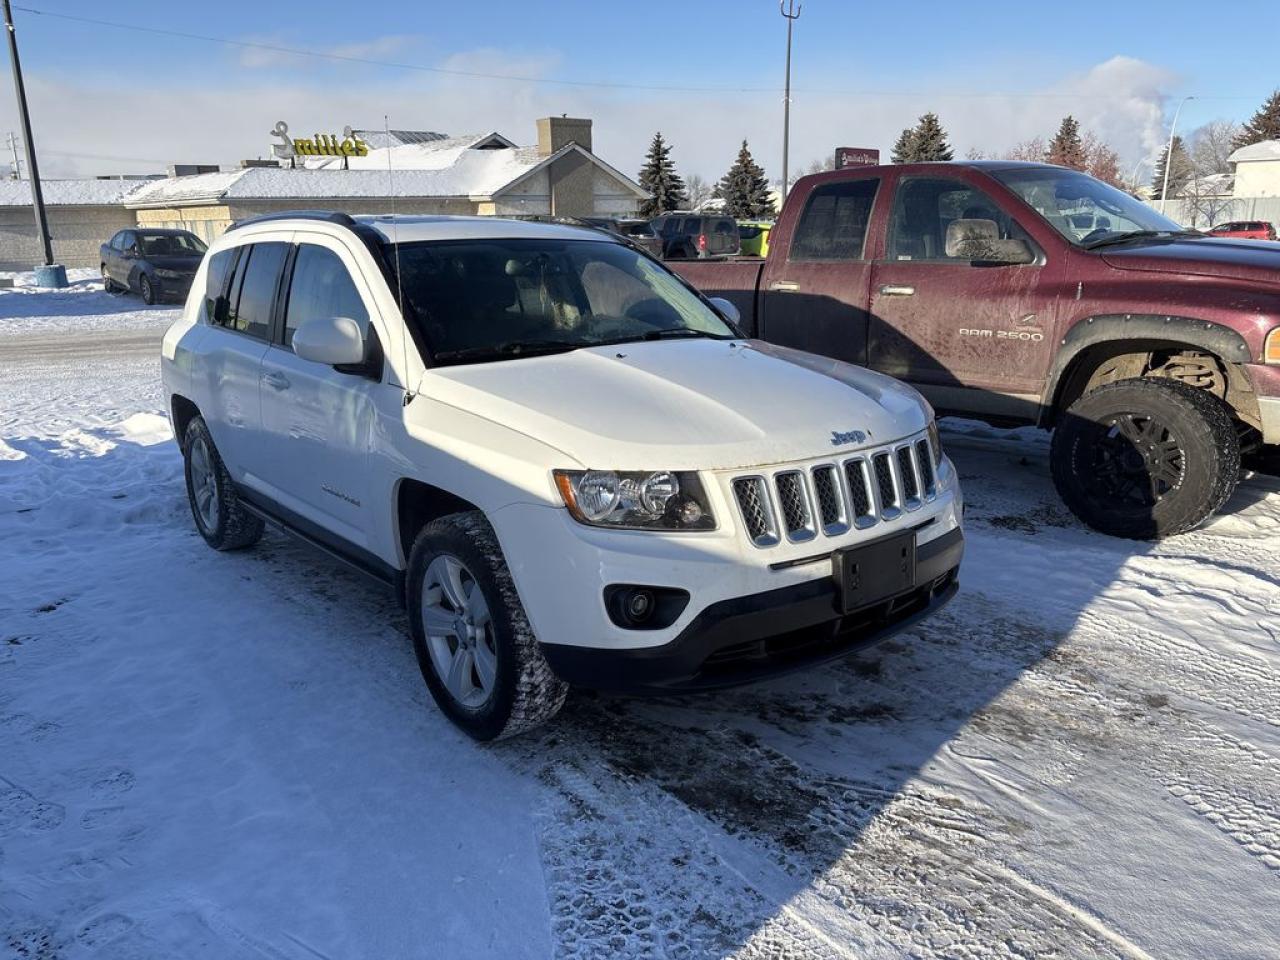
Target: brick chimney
(555, 132)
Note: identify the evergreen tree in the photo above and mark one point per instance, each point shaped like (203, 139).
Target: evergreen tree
(924, 142)
(1265, 124)
(904, 148)
(659, 177)
(1066, 149)
(1180, 173)
(931, 140)
(745, 188)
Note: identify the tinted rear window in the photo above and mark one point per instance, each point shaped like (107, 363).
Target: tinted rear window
(252, 314)
(215, 286)
(833, 225)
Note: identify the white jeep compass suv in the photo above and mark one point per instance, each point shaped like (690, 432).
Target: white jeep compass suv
(570, 465)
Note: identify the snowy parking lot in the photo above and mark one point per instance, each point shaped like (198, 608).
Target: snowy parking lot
(224, 756)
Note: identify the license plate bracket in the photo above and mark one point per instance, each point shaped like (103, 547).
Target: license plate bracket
(875, 571)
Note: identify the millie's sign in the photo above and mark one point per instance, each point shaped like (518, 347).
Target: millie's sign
(856, 157)
(318, 145)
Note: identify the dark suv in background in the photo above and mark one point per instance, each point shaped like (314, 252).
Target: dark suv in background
(693, 236)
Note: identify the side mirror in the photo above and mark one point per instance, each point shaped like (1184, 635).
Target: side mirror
(131, 253)
(334, 341)
(1004, 252)
(726, 310)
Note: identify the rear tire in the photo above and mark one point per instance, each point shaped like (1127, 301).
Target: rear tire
(146, 289)
(108, 285)
(478, 654)
(216, 508)
(1145, 458)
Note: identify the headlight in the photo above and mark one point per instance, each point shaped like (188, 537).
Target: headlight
(168, 274)
(935, 443)
(636, 500)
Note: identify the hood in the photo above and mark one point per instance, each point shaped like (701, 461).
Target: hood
(186, 264)
(684, 404)
(1252, 260)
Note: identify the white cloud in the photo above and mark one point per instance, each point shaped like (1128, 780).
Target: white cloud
(1121, 99)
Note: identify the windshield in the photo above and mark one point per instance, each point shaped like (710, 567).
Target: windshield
(1082, 209)
(492, 299)
(171, 244)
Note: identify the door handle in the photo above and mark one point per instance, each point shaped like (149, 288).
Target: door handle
(276, 380)
(784, 286)
(897, 290)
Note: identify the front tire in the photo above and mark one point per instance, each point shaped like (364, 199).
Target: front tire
(1146, 458)
(478, 654)
(147, 290)
(220, 517)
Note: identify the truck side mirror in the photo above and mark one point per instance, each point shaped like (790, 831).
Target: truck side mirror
(727, 310)
(1003, 253)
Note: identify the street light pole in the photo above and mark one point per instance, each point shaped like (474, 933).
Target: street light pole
(1168, 153)
(33, 172)
(791, 11)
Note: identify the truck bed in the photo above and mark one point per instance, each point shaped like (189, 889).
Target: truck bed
(737, 279)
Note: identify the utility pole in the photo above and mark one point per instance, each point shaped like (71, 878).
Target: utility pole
(13, 146)
(1168, 154)
(790, 10)
(37, 198)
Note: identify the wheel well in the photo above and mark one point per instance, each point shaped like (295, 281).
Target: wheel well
(1125, 359)
(417, 504)
(183, 413)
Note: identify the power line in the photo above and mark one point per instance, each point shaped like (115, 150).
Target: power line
(595, 84)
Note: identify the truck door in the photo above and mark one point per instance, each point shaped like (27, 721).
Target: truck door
(813, 291)
(963, 302)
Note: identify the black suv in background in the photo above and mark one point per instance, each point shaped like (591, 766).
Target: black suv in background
(694, 236)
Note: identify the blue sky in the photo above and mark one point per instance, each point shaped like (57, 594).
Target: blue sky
(106, 99)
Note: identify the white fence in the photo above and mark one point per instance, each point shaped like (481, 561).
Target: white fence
(1204, 212)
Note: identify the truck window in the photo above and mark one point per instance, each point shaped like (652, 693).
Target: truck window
(833, 225)
(925, 206)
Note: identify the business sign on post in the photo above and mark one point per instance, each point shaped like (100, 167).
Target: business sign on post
(856, 157)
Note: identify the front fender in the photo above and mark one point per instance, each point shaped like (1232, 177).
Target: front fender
(1151, 330)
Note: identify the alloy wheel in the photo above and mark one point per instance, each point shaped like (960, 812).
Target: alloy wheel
(459, 631)
(1138, 461)
(204, 484)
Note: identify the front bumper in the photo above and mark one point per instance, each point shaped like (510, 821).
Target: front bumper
(749, 638)
(1265, 380)
(173, 288)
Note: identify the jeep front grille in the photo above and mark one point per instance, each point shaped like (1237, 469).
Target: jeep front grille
(757, 514)
(829, 499)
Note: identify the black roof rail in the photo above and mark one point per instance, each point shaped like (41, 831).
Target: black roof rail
(328, 216)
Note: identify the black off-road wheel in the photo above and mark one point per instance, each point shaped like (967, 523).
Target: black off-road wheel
(220, 517)
(147, 290)
(478, 654)
(1145, 459)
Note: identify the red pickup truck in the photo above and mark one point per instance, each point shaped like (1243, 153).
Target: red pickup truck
(1030, 293)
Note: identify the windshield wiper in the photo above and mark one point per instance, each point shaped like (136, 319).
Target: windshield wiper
(1128, 235)
(673, 333)
(511, 348)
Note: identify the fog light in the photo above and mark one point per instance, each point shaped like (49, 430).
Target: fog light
(639, 606)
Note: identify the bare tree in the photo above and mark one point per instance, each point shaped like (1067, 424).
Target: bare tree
(1211, 145)
(697, 190)
(1036, 149)
(1204, 201)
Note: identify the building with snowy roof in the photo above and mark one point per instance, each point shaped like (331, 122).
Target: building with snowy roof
(410, 172)
(1257, 168)
(81, 213)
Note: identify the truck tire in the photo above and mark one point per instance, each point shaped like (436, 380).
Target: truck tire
(478, 654)
(220, 517)
(1145, 458)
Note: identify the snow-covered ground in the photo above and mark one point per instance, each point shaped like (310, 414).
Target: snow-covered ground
(216, 757)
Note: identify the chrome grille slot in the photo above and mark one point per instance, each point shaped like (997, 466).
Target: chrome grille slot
(907, 476)
(753, 501)
(793, 499)
(924, 459)
(886, 489)
(831, 508)
(864, 511)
